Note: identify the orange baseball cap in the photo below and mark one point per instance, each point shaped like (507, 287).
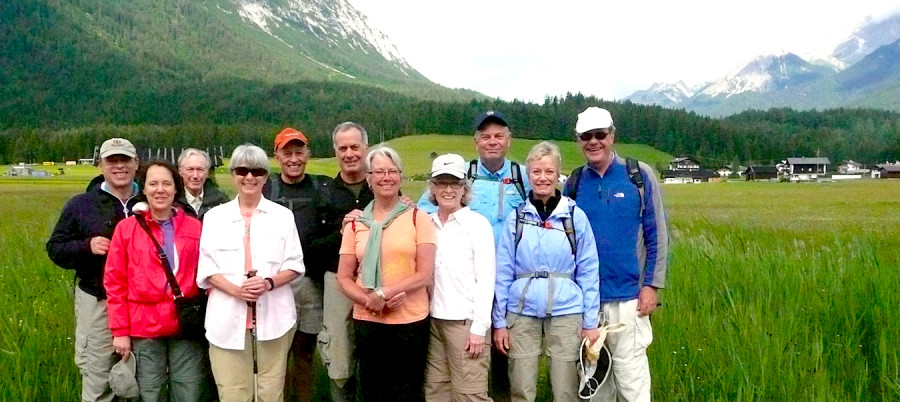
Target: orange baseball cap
(287, 135)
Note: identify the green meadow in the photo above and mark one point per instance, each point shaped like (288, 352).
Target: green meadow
(776, 291)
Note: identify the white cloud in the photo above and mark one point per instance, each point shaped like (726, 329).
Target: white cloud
(527, 49)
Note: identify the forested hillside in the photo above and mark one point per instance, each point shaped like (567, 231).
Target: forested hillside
(752, 137)
(180, 73)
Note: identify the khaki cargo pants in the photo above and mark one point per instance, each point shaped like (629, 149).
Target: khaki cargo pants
(561, 340)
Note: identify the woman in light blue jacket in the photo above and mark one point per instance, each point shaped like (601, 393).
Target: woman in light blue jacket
(547, 283)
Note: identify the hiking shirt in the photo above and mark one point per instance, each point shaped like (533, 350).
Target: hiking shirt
(305, 201)
(492, 197)
(629, 246)
(464, 270)
(275, 247)
(543, 248)
(399, 245)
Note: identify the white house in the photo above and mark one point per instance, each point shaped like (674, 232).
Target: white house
(806, 169)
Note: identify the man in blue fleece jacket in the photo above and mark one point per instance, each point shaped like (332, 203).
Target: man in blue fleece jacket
(629, 227)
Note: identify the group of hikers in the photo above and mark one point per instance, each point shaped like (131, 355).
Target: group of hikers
(454, 297)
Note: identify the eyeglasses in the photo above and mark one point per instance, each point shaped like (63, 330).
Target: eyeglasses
(456, 185)
(256, 172)
(599, 134)
(382, 173)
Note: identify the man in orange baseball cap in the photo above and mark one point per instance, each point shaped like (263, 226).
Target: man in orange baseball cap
(302, 193)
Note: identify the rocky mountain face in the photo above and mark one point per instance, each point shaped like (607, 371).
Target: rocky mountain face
(868, 37)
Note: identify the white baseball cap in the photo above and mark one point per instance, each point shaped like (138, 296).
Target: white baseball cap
(451, 164)
(593, 118)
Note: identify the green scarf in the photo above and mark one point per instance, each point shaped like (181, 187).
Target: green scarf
(370, 266)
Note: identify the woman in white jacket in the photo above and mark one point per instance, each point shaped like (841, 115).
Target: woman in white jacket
(249, 252)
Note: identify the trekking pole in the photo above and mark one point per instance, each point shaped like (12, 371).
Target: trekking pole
(252, 305)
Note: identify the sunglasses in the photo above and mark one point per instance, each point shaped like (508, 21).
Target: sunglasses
(598, 134)
(257, 172)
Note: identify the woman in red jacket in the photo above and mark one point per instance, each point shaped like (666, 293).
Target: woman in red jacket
(139, 299)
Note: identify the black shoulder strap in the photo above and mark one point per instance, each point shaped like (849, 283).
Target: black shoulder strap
(634, 172)
(515, 172)
(569, 227)
(520, 223)
(572, 182)
(274, 187)
(473, 169)
(162, 256)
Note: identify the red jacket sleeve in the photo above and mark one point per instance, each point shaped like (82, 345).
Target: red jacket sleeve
(115, 279)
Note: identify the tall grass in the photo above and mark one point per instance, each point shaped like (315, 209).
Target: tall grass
(792, 305)
(776, 291)
(37, 325)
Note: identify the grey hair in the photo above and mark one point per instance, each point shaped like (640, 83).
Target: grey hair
(346, 126)
(542, 149)
(189, 152)
(386, 152)
(249, 156)
(467, 193)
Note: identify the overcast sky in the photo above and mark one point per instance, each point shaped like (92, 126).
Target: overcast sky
(527, 49)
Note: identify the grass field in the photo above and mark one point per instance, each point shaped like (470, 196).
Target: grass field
(776, 291)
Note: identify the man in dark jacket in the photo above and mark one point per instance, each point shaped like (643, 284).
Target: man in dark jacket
(302, 193)
(348, 195)
(200, 194)
(79, 242)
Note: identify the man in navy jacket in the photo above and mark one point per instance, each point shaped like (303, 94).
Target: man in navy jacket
(79, 242)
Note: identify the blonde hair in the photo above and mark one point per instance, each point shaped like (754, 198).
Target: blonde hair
(542, 149)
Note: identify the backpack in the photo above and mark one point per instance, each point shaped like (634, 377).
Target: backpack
(568, 226)
(515, 171)
(634, 172)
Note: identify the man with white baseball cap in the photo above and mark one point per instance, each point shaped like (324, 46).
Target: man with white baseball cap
(464, 271)
(79, 242)
(623, 203)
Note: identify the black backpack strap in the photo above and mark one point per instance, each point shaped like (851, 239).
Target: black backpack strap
(473, 169)
(274, 187)
(572, 182)
(515, 172)
(569, 227)
(520, 223)
(634, 172)
(162, 256)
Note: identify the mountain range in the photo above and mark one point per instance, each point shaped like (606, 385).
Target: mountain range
(863, 70)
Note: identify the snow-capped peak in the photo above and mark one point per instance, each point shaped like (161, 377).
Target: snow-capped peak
(762, 74)
(334, 22)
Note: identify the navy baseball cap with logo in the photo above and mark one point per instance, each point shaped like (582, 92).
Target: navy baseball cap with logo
(491, 116)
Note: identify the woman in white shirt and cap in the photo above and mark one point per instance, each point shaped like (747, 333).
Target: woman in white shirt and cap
(459, 350)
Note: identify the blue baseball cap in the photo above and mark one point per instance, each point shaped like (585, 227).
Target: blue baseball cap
(491, 116)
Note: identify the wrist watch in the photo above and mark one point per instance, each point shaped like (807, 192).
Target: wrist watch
(380, 293)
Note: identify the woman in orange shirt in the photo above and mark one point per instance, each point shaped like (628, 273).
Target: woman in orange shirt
(386, 264)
